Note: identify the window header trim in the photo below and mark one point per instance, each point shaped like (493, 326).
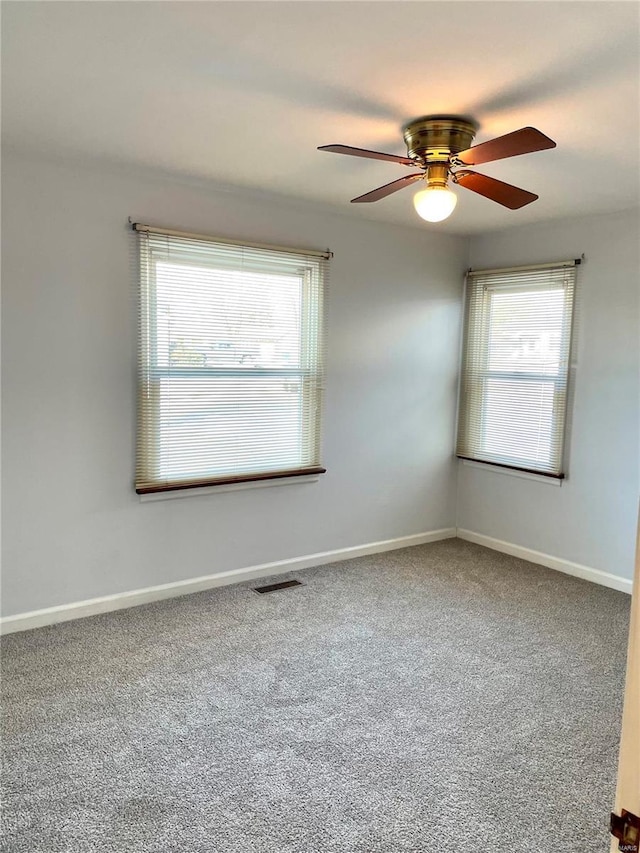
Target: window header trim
(552, 266)
(169, 232)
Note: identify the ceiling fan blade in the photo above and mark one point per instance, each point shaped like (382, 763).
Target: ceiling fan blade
(363, 152)
(522, 141)
(387, 189)
(505, 194)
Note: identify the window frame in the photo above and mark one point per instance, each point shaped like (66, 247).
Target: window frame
(151, 371)
(473, 400)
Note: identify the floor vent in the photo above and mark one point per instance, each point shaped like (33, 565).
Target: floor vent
(275, 587)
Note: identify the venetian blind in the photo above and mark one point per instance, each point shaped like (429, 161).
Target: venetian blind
(515, 367)
(230, 367)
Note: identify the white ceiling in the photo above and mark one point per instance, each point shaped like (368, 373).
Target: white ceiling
(242, 93)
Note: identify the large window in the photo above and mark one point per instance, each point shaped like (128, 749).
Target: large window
(230, 361)
(515, 367)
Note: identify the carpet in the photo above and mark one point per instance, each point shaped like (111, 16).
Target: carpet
(443, 697)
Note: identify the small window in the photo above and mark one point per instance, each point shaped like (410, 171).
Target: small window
(515, 367)
(230, 362)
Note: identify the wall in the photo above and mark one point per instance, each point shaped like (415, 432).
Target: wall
(591, 518)
(73, 527)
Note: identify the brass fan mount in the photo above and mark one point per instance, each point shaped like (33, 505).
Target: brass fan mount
(435, 139)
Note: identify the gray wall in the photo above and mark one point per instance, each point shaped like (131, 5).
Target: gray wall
(592, 518)
(73, 526)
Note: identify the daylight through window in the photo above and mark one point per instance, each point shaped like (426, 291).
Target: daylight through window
(515, 367)
(230, 362)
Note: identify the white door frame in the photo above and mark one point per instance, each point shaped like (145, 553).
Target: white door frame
(628, 791)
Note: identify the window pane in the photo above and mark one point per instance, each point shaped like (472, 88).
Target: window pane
(204, 425)
(518, 420)
(526, 331)
(226, 318)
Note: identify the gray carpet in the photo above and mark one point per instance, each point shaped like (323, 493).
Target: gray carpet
(439, 698)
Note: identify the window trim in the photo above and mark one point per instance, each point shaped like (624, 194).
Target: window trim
(231, 481)
(150, 373)
(535, 471)
(513, 472)
(154, 497)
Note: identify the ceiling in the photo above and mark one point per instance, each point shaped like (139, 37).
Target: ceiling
(242, 93)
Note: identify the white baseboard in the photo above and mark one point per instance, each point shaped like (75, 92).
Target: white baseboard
(560, 565)
(120, 601)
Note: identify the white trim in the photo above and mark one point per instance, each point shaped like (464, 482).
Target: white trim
(229, 487)
(120, 601)
(513, 472)
(557, 563)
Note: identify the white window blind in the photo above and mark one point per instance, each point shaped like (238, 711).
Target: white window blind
(230, 367)
(515, 367)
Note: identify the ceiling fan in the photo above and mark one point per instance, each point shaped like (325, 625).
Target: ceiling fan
(440, 146)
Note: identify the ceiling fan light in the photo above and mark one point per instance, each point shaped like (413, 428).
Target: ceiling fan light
(435, 203)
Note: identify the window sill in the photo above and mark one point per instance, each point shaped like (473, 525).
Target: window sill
(512, 472)
(229, 487)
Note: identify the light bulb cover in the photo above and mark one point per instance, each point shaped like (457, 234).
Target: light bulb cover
(435, 203)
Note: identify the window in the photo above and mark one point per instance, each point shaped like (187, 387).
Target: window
(515, 367)
(230, 361)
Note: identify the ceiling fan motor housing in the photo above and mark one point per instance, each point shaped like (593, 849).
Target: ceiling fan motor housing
(432, 140)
